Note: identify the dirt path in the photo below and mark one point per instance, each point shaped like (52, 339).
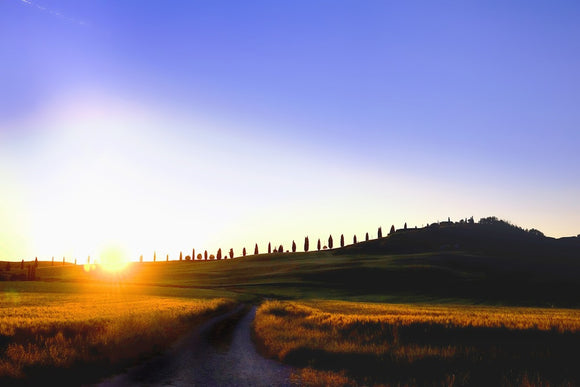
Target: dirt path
(219, 353)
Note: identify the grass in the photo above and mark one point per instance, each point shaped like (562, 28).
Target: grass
(84, 336)
(469, 304)
(421, 344)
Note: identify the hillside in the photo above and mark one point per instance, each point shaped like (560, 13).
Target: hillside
(493, 263)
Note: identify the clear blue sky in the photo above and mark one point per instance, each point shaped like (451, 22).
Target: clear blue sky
(167, 125)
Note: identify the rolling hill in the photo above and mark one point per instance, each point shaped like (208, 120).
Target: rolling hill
(489, 262)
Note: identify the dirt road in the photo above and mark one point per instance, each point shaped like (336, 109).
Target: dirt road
(219, 353)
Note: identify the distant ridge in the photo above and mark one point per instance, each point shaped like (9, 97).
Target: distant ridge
(489, 236)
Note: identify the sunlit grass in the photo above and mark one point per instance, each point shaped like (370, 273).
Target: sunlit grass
(395, 343)
(59, 330)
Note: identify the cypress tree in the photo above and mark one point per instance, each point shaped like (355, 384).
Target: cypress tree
(141, 258)
(22, 265)
(405, 226)
(380, 233)
(192, 254)
(341, 240)
(244, 252)
(330, 242)
(205, 255)
(367, 237)
(219, 254)
(269, 248)
(392, 230)
(52, 261)
(281, 249)
(181, 256)
(231, 253)
(318, 246)
(256, 252)
(75, 261)
(36, 261)
(293, 247)
(306, 244)
(167, 257)
(354, 240)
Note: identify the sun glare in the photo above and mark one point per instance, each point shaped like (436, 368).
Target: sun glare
(113, 259)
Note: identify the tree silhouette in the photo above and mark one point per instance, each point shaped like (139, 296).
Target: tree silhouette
(367, 237)
(380, 233)
(306, 244)
(405, 226)
(256, 252)
(281, 249)
(219, 254)
(22, 265)
(269, 248)
(231, 253)
(318, 245)
(341, 240)
(36, 262)
(167, 257)
(293, 247)
(199, 257)
(141, 258)
(330, 242)
(154, 256)
(392, 230)
(181, 256)
(75, 261)
(52, 261)
(205, 255)
(354, 240)
(244, 252)
(192, 254)
(211, 257)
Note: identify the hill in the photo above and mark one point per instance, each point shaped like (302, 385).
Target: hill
(490, 262)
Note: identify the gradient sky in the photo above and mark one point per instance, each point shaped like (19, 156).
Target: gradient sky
(168, 125)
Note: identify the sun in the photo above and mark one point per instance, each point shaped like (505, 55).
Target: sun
(113, 259)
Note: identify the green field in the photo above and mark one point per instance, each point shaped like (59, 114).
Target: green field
(454, 266)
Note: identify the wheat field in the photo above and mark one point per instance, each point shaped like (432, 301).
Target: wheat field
(47, 331)
(417, 344)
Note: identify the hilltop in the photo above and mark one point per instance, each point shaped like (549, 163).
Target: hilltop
(490, 262)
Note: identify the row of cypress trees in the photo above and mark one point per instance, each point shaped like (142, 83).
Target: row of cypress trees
(279, 249)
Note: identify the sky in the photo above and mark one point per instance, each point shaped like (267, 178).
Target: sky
(171, 125)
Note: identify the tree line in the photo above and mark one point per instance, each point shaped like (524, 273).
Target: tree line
(271, 249)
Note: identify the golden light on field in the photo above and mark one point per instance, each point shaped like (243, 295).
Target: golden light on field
(113, 259)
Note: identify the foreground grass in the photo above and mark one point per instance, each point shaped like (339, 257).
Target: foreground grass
(346, 342)
(87, 336)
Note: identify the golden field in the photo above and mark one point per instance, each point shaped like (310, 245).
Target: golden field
(48, 331)
(418, 344)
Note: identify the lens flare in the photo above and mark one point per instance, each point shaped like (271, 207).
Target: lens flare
(113, 259)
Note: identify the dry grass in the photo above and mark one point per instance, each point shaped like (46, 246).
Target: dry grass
(371, 341)
(40, 332)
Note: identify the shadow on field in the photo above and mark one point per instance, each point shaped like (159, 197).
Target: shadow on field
(427, 355)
